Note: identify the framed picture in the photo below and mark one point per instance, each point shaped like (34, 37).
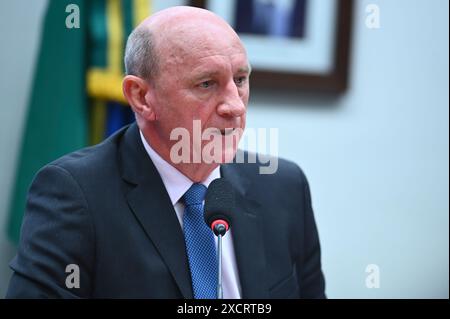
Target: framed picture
(294, 44)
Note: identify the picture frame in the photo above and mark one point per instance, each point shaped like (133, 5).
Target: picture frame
(319, 61)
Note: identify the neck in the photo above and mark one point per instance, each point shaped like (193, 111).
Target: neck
(195, 172)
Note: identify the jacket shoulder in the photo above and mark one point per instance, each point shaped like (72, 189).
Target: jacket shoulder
(90, 160)
(266, 167)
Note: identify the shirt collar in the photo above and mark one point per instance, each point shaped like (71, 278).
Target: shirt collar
(176, 183)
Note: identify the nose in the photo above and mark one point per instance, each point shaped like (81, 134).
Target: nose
(232, 104)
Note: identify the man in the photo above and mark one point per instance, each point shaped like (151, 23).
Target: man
(121, 219)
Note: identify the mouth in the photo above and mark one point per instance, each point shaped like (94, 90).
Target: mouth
(227, 131)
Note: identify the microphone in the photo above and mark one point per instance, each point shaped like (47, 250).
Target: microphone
(219, 205)
(218, 209)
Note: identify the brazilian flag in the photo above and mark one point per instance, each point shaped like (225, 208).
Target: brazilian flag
(76, 97)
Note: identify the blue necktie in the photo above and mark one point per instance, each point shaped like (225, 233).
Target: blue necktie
(200, 246)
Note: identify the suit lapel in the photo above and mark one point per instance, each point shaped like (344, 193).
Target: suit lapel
(150, 203)
(247, 237)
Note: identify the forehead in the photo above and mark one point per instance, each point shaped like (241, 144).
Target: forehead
(215, 65)
(192, 44)
(203, 60)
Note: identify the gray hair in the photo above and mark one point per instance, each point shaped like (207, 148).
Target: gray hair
(140, 58)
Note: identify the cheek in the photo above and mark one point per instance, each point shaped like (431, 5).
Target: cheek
(186, 110)
(244, 94)
(245, 99)
(204, 109)
(173, 104)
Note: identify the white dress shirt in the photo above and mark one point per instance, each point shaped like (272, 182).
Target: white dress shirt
(176, 185)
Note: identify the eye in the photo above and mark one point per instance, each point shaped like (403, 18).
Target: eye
(206, 84)
(240, 80)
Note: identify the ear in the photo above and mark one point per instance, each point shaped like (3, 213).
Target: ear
(135, 90)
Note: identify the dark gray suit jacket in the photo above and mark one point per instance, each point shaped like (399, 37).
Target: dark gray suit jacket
(105, 209)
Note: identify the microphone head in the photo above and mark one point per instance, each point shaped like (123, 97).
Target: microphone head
(219, 202)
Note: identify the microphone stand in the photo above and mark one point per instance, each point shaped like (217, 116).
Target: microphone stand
(219, 263)
(219, 230)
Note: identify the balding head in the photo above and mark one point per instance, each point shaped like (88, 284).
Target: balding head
(172, 33)
(187, 67)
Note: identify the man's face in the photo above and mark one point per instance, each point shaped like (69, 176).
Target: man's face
(202, 76)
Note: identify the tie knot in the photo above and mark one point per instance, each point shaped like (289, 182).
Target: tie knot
(195, 194)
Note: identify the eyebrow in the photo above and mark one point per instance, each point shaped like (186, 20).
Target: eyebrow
(245, 69)
(211, 74)
(204, 75)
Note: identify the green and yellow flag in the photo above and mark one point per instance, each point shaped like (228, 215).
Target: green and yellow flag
(76, 97)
